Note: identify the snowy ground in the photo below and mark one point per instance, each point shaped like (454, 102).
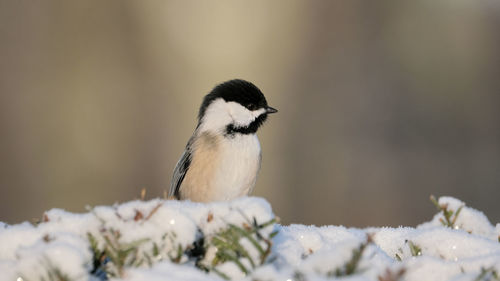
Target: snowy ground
(172, 240)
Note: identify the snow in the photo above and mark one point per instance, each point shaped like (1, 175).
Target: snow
(157, 241)
(470, 220)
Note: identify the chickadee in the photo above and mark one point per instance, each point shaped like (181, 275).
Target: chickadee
(222, 158)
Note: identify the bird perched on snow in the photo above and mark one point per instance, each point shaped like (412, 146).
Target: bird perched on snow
(223, 156)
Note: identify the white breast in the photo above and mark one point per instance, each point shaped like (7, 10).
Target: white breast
(238, 166)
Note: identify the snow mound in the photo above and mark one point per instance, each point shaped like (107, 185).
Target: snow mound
(241, 240)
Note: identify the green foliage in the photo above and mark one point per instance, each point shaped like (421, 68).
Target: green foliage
(118, 255)
(98, 256)
(415, 250)
(487, 274)
(114, 256)
(111, 256)
(450, 216)
(228, 243)
(398, 257)
(53, 272)
(352, 266)
(166, 248)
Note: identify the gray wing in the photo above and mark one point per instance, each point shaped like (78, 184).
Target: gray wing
(180, 171)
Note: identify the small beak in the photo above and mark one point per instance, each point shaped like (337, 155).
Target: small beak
(270, 110)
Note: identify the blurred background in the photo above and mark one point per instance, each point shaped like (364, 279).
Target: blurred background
(381, 103)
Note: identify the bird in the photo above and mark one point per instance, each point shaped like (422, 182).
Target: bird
(223, 156)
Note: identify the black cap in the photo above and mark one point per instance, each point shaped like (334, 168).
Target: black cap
(240, 91)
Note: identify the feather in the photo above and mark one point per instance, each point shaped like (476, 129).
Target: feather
(180, 170)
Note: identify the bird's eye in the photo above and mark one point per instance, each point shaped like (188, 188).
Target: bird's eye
(251, 106)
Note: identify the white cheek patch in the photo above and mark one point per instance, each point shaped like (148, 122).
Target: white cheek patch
(258, 112)
(221, 113)
(241, 115)
(216, 116)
